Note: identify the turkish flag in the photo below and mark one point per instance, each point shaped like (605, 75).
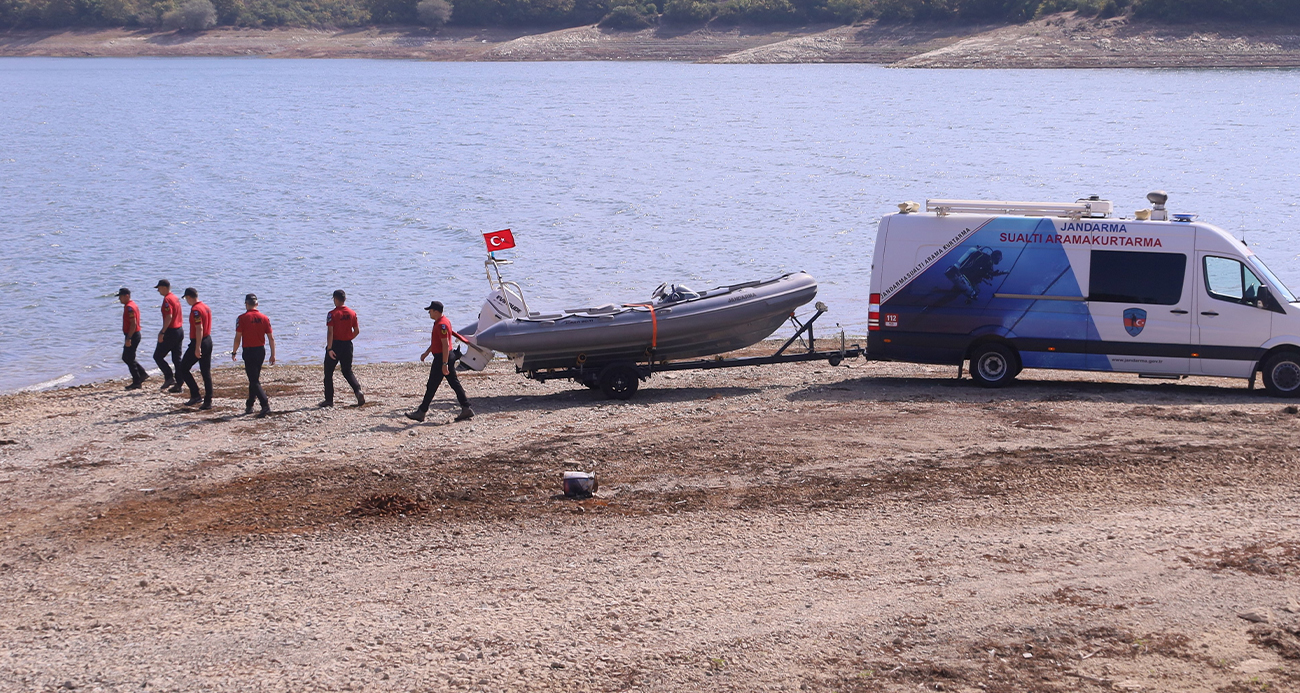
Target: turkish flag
(499, 240)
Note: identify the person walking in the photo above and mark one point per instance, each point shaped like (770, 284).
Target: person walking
(340, 329)
(131, 330)
(253, 329)
(199, 351)
(440, 348)
(170, 337)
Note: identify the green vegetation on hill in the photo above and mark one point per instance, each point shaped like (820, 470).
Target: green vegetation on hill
(617, 14)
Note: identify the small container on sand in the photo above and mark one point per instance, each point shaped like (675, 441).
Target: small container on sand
(579, 484)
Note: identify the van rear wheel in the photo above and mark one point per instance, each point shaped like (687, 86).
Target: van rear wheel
(993, 365)
(1282, 374)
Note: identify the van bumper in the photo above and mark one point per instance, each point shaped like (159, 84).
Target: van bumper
(917, 347)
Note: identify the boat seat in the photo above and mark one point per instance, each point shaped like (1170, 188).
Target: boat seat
(545, 316)
(602, 310)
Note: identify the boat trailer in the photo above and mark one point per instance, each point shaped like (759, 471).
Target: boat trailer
(620, 379)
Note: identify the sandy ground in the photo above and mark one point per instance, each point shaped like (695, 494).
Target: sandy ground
(867, 527)
(1057, 41)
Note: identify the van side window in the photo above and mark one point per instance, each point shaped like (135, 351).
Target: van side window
(1117, 276)
(1229, 280)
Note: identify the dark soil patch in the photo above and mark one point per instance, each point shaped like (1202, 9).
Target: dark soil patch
(655, 472)
(1274, 558)
(1284, 641)
(387, 505)
(1021, 661)
(1083, 598)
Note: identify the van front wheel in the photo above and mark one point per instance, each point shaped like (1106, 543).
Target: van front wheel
(1282, 374)
(993, 365)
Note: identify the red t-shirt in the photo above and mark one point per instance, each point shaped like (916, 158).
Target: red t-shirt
(441, 331)
(344, 321)
(200, 315)
(254, 326)
(130, 318)
(177, 316)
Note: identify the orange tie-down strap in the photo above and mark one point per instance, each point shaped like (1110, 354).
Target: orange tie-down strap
(654, 322)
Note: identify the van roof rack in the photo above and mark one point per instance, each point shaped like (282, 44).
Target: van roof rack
(1083, 208)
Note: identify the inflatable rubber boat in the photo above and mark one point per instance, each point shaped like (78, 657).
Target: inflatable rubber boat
(676, 323)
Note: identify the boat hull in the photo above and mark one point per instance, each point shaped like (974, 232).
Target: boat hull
(720, 320)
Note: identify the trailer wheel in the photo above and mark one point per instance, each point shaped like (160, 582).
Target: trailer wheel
(619, 381)
(835, 359)
(993, 365)
(1282, 374)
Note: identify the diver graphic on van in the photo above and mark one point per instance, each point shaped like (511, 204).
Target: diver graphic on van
(976, 266)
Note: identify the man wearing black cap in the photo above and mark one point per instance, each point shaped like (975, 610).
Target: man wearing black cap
(440, 348)
(200, 350)
(131, 331)
(170, 337)
(253, 329)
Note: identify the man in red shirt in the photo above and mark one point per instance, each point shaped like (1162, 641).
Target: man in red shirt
(170, 337)
(440, 348)
(199, 351)
(131, 330)
(340, 329)
(254, 330)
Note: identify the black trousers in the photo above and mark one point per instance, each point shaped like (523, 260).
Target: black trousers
(254, 357)
(435, 379)
(342, 348)
(128, 357)
(205, 367)
(171, 343)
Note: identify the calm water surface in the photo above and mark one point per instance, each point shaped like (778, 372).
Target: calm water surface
(293, 178)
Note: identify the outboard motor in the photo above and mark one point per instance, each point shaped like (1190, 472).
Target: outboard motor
(497, 307)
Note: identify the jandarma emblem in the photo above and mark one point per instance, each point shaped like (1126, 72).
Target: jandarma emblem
(1134, 320)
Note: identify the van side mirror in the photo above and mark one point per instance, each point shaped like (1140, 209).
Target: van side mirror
(1264, 299)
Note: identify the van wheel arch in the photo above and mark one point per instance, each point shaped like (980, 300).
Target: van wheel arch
(1281, 370)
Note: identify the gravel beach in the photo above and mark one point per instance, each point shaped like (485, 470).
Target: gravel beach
(866, 527)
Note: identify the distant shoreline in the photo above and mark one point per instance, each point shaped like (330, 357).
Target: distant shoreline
(1061, 41)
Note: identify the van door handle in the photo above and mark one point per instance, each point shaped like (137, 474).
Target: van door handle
(1208, 312)
(1178, 311)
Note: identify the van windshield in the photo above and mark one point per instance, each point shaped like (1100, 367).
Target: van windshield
(1272, 278)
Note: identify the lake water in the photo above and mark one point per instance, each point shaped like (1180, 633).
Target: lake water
(294, 178)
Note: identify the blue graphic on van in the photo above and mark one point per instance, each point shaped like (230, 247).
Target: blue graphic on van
(1021, 291)
(1134, 320)
(976, 266)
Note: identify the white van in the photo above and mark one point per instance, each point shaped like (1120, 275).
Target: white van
(1012, 285)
